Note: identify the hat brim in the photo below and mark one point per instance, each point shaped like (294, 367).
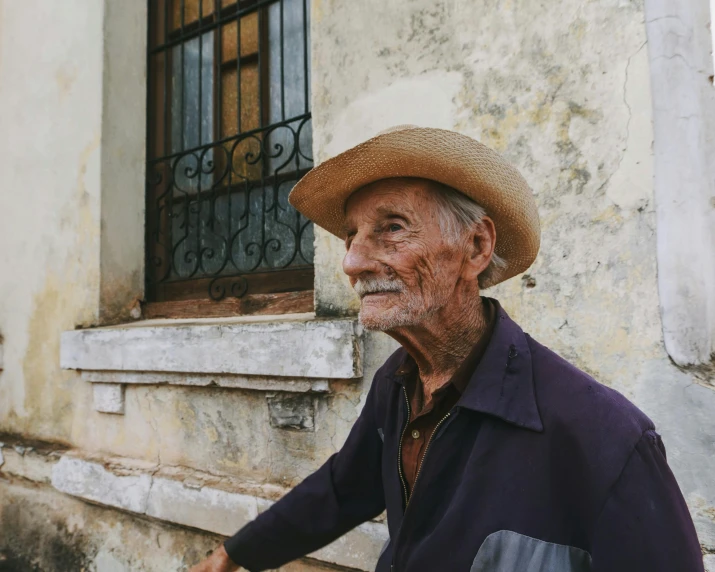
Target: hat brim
(444, 156)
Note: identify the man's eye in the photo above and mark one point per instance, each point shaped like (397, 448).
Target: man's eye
(394, 227)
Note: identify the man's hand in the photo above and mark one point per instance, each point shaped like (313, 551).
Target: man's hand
(217, 562)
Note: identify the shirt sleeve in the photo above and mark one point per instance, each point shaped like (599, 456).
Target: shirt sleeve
(344, 492)
(645, 523)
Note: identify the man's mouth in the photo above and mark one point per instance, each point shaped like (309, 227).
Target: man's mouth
(377, 287)
(378, 293)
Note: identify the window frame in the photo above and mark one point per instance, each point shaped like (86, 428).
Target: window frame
(264, 290)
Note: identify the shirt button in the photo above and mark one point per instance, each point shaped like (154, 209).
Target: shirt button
(415, 434)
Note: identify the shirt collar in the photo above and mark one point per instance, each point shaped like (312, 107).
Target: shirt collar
(462, 376)
(502, 383)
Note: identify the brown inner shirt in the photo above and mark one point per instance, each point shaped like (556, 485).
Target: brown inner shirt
(425, 416)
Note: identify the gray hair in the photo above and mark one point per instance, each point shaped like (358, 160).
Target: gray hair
(459, 214)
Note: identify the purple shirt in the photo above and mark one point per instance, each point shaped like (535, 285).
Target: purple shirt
(537, 468)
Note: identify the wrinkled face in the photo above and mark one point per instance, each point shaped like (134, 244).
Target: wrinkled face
(397, 260)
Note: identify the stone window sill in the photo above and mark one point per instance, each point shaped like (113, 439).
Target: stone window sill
(294, 353)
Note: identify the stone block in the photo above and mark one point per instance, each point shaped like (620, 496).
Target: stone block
(27, 463)
(359, 548)
(92, 481)
(291, 411)
(200, 507)
(109, 397)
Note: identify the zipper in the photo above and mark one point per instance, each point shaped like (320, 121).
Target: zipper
(429, 442)
(408, 497)
(399, 449)
(419, 469)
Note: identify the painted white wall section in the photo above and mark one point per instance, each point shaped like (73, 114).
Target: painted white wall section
(681, 68)
(51, 60)
(424, 100)
(123, 145)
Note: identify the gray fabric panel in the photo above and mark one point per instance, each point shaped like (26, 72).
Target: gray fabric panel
(381, 433)
(507, 551)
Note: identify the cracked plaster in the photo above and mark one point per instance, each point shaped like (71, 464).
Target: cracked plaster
(563, 92)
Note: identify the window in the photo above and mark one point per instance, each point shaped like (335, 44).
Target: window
(229, 134)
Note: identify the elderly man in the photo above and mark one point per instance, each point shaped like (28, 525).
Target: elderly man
(488, 451)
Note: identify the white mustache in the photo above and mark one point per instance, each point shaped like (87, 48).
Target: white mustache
(372, 285)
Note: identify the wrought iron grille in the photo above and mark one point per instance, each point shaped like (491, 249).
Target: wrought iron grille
(229, 134)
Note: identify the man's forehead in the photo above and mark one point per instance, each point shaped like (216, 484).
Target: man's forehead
(407, 198)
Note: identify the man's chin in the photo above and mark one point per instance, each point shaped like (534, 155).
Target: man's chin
(372, 319)
(372, 325)
(381, 321)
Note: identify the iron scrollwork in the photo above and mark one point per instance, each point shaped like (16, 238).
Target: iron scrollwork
(217, 215)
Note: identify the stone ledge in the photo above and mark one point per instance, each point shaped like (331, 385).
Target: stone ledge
(255, 382)
(109, 386)
(94, 482)
(28, 462)
(299, 346)
(196, 504)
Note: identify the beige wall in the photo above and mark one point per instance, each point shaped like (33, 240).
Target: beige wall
(562, 89)
(72, 78)
(51, 101)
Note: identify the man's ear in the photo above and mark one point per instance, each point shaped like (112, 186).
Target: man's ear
(480, 249)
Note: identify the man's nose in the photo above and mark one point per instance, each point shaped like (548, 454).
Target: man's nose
(359, 259)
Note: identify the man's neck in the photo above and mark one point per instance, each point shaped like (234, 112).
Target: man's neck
(440, 343)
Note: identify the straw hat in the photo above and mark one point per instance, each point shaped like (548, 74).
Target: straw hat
(450, 158)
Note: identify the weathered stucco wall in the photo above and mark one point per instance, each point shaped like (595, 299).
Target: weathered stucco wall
(72, 151)
(681, 41)
(561, 89)
(51, 97)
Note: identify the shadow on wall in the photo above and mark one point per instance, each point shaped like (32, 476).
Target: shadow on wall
(66, 551)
